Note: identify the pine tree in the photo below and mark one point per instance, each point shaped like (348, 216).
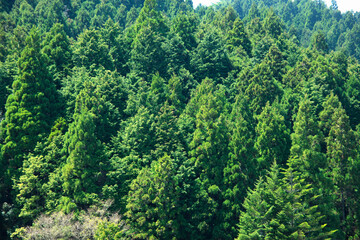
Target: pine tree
(56, 46)
(130, 152)
(319, 43)
(32, 187)
(299, 217)
(273, 24)
(185, 26)
(147, 54)
(277, 63)
(91, 51)
(177, 54)
(307, 157)
(154, 209)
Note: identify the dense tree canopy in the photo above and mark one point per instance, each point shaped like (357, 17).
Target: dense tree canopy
(150, 119)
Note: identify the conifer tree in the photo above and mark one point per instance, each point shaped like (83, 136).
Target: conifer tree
(147, 54)
(92, 51)
(33, 184)
(261, 207)
(307, 157)
(273, 137)
(299, 217)
(262, 88)
(130, 152)
(185, 26)
(240, 171)
(238, 37)
(154, 206)
(210, 58)
(276, 61)
(209, 149)
(272, 24)
(319, 43)
(340, 142)
(84, 171)
(57, 47)
(31, 108)
(177, 54)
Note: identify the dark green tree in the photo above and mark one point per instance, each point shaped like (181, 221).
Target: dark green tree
(83, 174)
(57, 47)
(262, 88)
(237, 37)
(272, 138)
(31, 108)
(240, 171)
(299, 217)
(277, 62)
(272, 24)
(341, 150)
(130, 152)
(185, 26)
(91, 51)
(178, 57)
(33, 185)
(154, 206)
(209, 152)
(210, 58)
(261, 207)
(319, 43)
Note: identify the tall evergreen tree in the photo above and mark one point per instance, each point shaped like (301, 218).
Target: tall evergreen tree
(299, 217)
(56, 46)
(340, 142)
(262, 88)
(31, 108)
(209, 149)
(241, 167)
(210, 58)
(261, 207)
(272, 137)
(84, 171)
(155, 206)
(237, 37)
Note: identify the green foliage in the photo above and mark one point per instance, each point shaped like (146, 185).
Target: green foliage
(153, 202)
(241, 168)
(273, 138)
(92, 51)
(262, 88)
(299, 217)
(84, 171)
(261, 207)
(237, 37)
(32, 106)
(319, 43)
(209, 151)
(210, 58)
(185, 26)
(173, 113)
(340, 142)
(272, 24)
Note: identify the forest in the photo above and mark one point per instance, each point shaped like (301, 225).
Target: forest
(152, 119)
